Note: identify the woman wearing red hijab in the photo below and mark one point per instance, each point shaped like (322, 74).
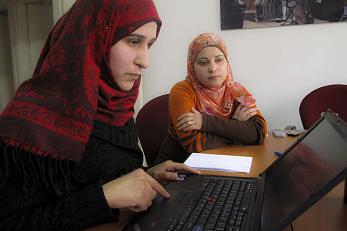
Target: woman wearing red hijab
(69, 157)
(209, 109)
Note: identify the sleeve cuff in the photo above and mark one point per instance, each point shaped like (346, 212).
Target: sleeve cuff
(91, 207)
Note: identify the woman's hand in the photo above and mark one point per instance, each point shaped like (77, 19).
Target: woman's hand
(243, 113)
(190, 121)
(167, 171)
(134, 191)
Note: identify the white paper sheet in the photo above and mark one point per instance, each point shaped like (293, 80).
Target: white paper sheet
(223, 163)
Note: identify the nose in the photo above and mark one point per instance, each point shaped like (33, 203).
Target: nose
(212, 67)
(142, 58)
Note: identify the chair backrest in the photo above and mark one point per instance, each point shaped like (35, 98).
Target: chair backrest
(152, 123)
(333, 97)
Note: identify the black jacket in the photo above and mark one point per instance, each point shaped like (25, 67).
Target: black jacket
(42, 193)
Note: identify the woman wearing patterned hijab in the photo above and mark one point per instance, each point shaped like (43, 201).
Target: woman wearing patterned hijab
(208, 109)
(69, 157)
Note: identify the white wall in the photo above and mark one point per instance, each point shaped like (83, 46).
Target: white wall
(6, 85)
(60, 7)
(279, 65)
(22, 35)
(38, 29)
(28, 32)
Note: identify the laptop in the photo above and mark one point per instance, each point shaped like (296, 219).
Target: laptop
(308, 170)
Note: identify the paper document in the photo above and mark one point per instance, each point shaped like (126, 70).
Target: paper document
(223, 163)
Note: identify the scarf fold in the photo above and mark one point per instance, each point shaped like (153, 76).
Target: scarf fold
(115, 106)
(217, 101)
(54, 111)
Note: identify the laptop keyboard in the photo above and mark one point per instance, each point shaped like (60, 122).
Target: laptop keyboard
(223, 205)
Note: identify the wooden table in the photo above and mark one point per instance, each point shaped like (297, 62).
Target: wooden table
(328, 214)
(263, 155)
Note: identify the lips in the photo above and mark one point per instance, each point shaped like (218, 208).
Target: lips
(134, 76)
(213, 77)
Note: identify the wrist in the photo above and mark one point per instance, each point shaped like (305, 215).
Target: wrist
(107, 196)
(150, 171)
(110, 197)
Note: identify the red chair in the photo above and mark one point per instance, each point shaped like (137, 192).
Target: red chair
(152, 123)
(333, 97)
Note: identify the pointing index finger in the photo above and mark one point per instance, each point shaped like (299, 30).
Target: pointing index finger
(157, 187)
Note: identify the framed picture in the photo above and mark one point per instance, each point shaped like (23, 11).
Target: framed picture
(239, 14)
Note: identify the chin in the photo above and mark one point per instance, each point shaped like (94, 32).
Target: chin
(127, 87)
(219, 85)
(215, 86)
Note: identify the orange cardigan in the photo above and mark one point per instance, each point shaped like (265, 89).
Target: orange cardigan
(182, 99)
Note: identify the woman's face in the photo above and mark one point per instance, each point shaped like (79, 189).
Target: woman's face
(129, 56)
(211, 67)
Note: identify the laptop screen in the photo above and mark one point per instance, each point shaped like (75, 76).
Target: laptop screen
(309, 166)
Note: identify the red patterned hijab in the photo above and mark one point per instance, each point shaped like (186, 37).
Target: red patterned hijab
(53, 112)
(215, 101)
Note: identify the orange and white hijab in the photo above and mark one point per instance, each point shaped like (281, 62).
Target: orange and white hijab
(216, 101)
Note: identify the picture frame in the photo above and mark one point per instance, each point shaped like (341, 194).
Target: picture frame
(243, 14)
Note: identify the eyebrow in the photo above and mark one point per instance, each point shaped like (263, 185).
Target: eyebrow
(217, 56)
